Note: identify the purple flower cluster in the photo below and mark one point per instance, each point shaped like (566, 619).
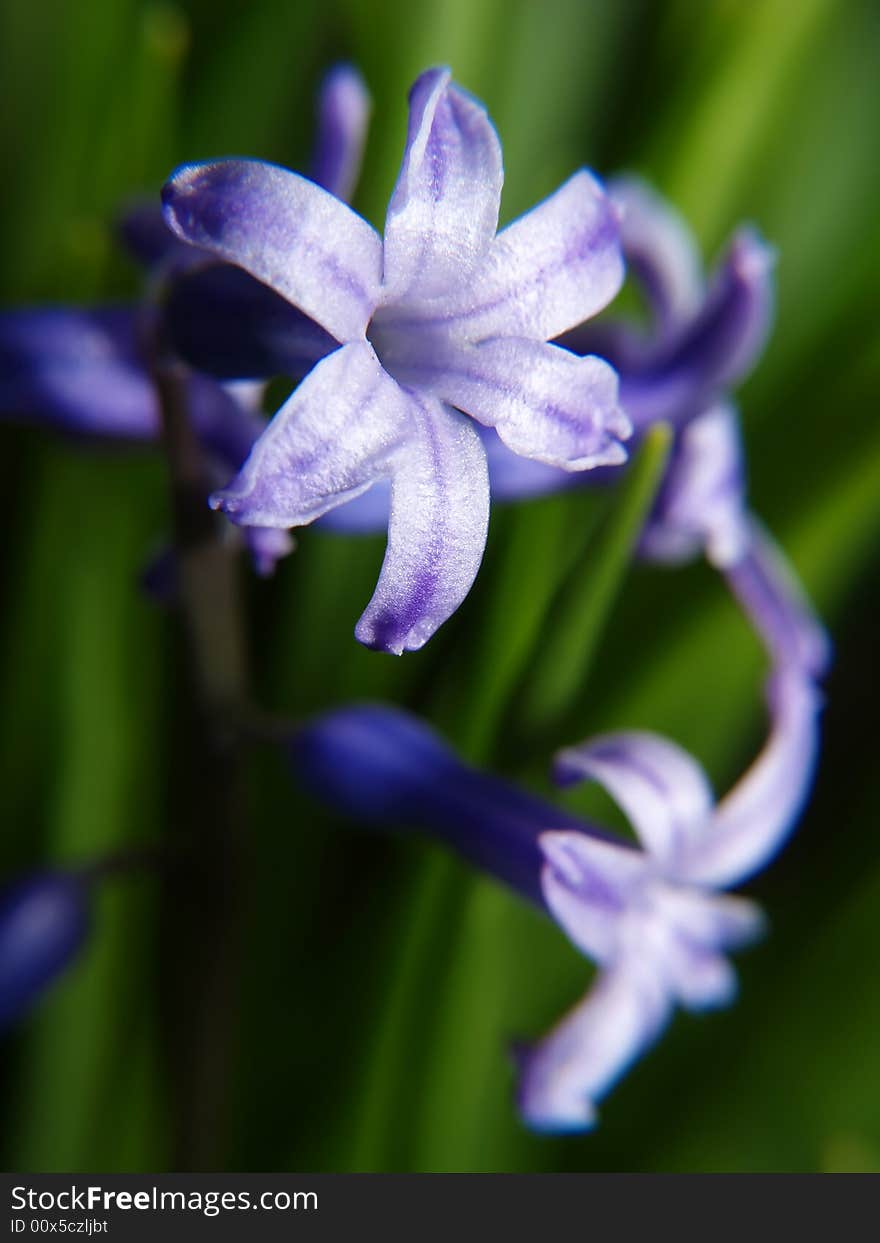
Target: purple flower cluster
(437, 365)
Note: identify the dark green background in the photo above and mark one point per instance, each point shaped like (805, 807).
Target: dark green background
(382, 981)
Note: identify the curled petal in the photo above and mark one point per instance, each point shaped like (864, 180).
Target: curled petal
(682, 373)
(223, 321)
(563, 1078)
(343, 116)
(544, 402)
(44, 922)
(436, 531)
(77, 370)
(588, 883)
(659, 786)
(768, 590)
(444, 210)
(659, 250)
(754, 819)
(285, 231)
(328, 443)
(701, 506)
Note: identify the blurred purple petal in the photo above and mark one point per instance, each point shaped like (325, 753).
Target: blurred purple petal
(77, 370)
(768, 590)
(444, 210)
(343, 116)
(436, 532)
(752, 822)
(285, 231)
(683, 371)
(660, 251)
(44, 922)
(564, 1077)
(660, 787)
(701, 505)
(587, 885)
(267, 547)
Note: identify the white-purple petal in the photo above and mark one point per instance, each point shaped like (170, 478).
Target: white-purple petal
(757, 815)
(564, 1076)
(287, 232)
(767, 587)
(329, 442)
(444, 210)
(544, 402)
(660, 787)
(437, 527)
(588, 885)
(343, 117)
(548, 271)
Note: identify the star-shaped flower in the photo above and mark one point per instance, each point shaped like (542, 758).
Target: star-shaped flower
(440, 316)
(651, 915)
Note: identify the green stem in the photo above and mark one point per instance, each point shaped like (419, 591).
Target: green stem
(201, 923)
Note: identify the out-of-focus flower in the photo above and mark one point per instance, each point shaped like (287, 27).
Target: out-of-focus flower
(652, 917)
(44, 922)
(439, 317)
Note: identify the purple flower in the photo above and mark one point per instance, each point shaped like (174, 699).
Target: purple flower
(651, 916)
(439, 317)
(654, 919)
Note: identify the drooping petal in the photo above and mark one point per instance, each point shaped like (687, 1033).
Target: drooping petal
(544, 402)
(343, 116)
(754, 819)
(768, 590)
(436, 531)
(44, 922)
(223, 321)
(701, 505)
(588, 883)
(681, 374)
(384, 766)
(329, 442)
(564, 1076)
(77, 370)
(285, 231)
(659, 250)
(660, 787)
(444, 210)
(548, 271)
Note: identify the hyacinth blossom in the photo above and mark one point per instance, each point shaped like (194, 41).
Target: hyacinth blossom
(653, 917)
(699, 340)
(87, 372)
(439, 317)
